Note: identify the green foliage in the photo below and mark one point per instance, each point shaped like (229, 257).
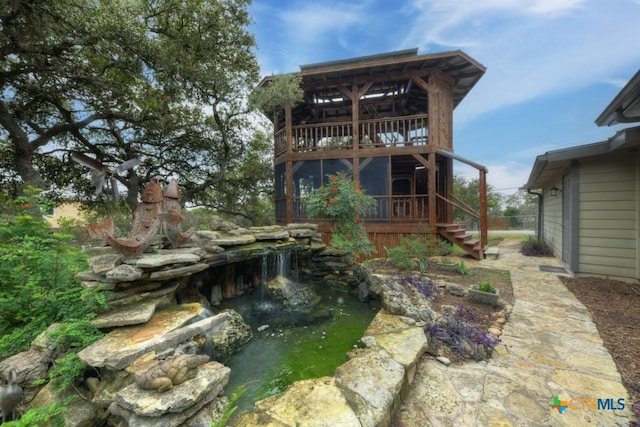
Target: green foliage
(342, 202)
(399, 256)
(486, 287)
(37, 281)
(462, 268)
(47, 415)
(231, 407)
(281, 91)
(445, 247)
(535, 246)
(468, 191)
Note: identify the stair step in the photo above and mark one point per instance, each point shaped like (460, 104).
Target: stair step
(491, 252)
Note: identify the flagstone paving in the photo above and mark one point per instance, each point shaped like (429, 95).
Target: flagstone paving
(550, 347)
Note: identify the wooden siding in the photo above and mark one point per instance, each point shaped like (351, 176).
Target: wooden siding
(552, 218)
(608, 223)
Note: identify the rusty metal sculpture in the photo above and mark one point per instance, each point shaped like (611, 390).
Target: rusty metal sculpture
(146, 224)
(173, 216)
(157, 210)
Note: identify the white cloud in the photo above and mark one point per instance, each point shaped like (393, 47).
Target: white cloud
(504, 178)
(532, 48)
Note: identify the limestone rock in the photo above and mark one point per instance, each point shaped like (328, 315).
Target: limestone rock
(162, 258)
(164, 330)
(230, 336)
(231, 238)
(145, 408)
(290, 294)
(102, 263)
(370, 384)
(270, 232)
(129, 315)
(124, 273)
(313, 403)
(178, 272)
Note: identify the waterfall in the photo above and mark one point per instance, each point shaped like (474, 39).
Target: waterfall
(283, 261)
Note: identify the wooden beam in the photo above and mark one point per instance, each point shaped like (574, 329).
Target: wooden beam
(421, 83)
(422, 160)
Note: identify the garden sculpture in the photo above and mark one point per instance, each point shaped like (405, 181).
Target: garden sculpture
(146, 224)
(10, 396)
(172, 371)
(172, 216)
(100, 172)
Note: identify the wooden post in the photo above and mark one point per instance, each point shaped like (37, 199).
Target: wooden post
(483, 208)
(288, 165)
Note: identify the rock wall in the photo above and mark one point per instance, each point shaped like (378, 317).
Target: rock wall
(162, 308)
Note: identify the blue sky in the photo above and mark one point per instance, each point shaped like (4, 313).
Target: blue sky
(552, 65)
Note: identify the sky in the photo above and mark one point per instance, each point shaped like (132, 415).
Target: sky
(552, 65)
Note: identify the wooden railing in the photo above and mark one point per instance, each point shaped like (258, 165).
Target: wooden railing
(388, 209)
(388, 132)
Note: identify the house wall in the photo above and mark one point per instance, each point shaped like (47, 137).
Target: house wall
(64, 210)
(552, 220)
(608, 215)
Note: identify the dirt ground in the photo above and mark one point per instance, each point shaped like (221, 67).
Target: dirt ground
(615, 309)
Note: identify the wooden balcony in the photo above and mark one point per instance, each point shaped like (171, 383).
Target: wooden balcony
(407, 131)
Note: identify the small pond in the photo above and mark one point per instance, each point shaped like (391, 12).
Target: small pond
(291, 345)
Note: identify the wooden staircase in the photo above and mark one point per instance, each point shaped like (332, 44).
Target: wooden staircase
(458, 235)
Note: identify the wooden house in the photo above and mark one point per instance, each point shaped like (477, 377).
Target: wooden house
(388, 121)
(590, 195)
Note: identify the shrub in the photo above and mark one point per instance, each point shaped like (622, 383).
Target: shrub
(37, 280)
(462, 268)
(399, 256)
(535, 246)
(486, 287)
(342, 202)
(462, 331)
(422, 285)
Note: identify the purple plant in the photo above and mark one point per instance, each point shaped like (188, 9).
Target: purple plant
(422, 285)
(463, 333)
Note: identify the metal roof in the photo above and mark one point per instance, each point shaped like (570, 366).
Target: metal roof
(625, 107)
(551, 165)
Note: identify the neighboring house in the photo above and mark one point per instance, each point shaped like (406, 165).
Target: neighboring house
(387, 120)
(590, 195)
(64, 210)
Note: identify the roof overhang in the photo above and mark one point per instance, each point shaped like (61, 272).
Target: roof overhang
(551, 165)
(625, 107)
(463, 71)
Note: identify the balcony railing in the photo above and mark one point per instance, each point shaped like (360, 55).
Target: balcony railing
(388, 132)
(388, 209)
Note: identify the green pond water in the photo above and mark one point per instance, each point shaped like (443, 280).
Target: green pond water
(289, 345)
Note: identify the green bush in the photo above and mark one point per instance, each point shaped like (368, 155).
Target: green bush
(486, 287)
(535, 246)
(37, 280)
(342, 202)
(399, 256)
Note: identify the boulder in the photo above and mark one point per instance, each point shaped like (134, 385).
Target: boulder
(371, 384)
(164, 330)
(166, 257)
(124, 273)
(289, 293)
(270, 232)
(100, 264)
(231, 335)
(142, 408)
(313, 403)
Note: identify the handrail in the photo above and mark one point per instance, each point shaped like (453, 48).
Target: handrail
(460, 205)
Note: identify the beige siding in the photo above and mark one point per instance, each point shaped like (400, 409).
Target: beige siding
(553, 221)
(607, 242)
